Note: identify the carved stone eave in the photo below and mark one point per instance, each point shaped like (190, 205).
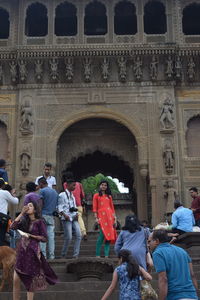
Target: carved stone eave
(82, 50)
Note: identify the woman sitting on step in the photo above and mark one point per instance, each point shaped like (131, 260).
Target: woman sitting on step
(104, 214)
(31, 266)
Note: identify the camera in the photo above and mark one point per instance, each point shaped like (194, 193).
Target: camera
(73, 209)
(56, 214)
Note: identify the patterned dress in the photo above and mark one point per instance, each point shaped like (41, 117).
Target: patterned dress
(129, 288)
(31, 266)
(103, 206)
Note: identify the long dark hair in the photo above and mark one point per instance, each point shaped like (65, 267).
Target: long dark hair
(107, 191)
(132, 266)
(132, 224)
(25, 223)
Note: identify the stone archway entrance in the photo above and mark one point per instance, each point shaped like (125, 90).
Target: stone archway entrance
(96, 145)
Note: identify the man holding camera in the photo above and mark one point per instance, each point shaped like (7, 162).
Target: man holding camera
(69, 216)
(49, 199)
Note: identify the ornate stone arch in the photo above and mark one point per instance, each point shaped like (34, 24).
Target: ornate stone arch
(28, 6)
(191, 143)
(184, 5)
(96, 112)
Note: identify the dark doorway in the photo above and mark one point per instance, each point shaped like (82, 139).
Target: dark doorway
(4, 24)
(125, 19)
(190, 21)
(155, 18)
(95, 21)
(36, 23)
(66, 20)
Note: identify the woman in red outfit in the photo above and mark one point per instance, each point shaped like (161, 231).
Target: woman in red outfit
(104, 214)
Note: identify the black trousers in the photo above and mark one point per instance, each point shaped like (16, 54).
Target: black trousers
(3, 228)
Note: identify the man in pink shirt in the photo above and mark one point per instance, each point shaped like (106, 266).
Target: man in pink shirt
(79, 195)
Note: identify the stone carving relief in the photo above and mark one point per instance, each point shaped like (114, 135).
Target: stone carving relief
(122, 64)
(54, 69)
(13, 71)
(38, 70)
(4, 118)
(154, 68)
(137, 68)
(87, 69)
(69, 69)
(168, 156)
(22, 70)
(169, 67)
(178, 68)
(170, 195)
(191, 69)
(167, 114)
(25, 160)
(1, 73)
(26, 125)
(105, 72)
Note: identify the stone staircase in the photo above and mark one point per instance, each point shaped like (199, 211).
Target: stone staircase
(72, 287)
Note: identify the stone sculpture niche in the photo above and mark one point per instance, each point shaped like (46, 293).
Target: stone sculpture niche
(26, 114)
(170, 196)
(25, 163)
(167, 114)
(168, 157)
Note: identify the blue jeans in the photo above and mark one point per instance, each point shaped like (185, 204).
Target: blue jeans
(51, 237)
(68, 226)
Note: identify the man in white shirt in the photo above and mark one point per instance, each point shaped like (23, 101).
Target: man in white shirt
(5, 198)
(51, 180)
(69, 216)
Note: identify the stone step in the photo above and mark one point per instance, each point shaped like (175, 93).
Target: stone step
(62, 295)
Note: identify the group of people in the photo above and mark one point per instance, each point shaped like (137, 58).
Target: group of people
(35, 224)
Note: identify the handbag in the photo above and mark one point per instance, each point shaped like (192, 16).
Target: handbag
(146, 290)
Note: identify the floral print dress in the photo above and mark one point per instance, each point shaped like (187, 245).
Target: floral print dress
(129, 288)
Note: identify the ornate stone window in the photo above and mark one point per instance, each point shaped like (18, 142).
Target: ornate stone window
(36, 23)
(95, 21)
(190, 20)
(125, 19)
(155, 18)
(4, 24)
(66, 20)
(193, 137)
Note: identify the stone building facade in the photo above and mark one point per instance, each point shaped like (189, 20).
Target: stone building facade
(108, 81)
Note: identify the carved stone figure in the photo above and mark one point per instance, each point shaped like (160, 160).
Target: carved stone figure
(87, 69)
(137, 68)
(168, 156)
(170, 195)
(170, 68)
(167, 114)
(38, 69)
(122, 68)
(25, 163)
(22, 70)
(191, 69)
(105, 69)
(154, 68)
(13, 71)
(69, 69)
(54, 69)
(26, 118)
(178, 68)
(1, 73)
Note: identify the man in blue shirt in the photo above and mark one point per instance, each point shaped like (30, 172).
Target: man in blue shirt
(3, 172)
(176, 279)
(182, 219)
(49, 203)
